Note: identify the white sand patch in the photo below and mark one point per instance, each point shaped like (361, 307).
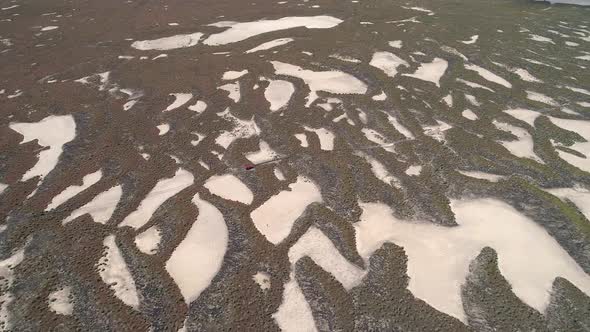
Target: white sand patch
(584, 57)
(149, 240)
(578, 126)
(438, 131)
(163, 129)
(7, 275)
(395, 43)
(242, 129)
(278, 93)
(582, 128)
(327, 81)
(238, 31)
(325, 106)
(414, 170)
(399, 127)
(294, 313)
(168, 43)
(131, 93)
(375, 137)
(569, 111)
(482, 175)
(523, 146)
(468, 114)
(204, 165)
(326, 137)
(345, 58)
(525, 115)
(380, 97)
(473, 84)
(329, 104)
(387, 62)
(265, 153)
(536, 96)
(278, 174)
(179, 100)
(270, 44)
(448, 99)
(49, 28)
(363, 116)
(274, 219)
(569, 43)
(52, 132)
(163, 190)
(233, 74)
(72, 191)
(541, 39)
(488, 75)
(558, 33)
(10, 7)
(540, 63)
(3, 186)
(59, 302)
(446, 252)
(262, 279)
(160, 56)
(525, 75)
(318, 247)
(472, 100)
(176, 159)
(343, 116)
(522, 73)
(431, 72)
(420, 9)
(578, 195)
(197, 259)
(584, 104)
(302, 140)
(114, 272)
(379, 170)
(233, 89)
(411, 19)
(228, 186)
(199, 107)
(578, 90)
(101, 207)
(128, 105)
(471, 40)
(16, 93)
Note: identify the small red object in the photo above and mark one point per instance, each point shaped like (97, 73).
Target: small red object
(249, 166)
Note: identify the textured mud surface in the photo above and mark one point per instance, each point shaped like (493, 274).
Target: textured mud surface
(310, 165)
